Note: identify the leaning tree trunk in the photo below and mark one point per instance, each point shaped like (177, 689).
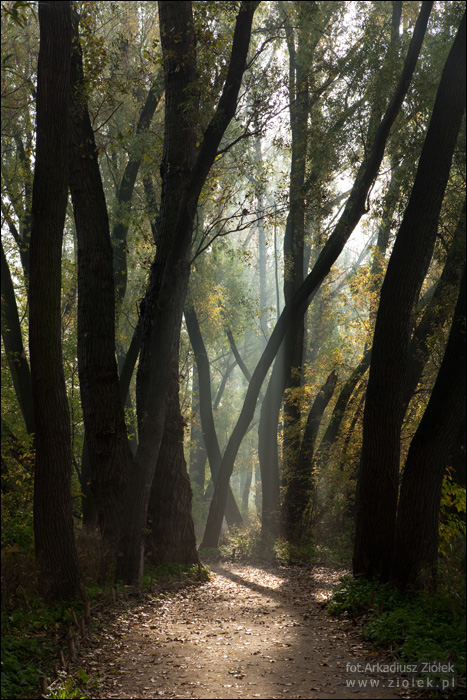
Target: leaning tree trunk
(232, 512)
(416, 549)
(296, 307)
(377, 487)
(300, 484)
(124, 193)
(56, 555)
(337, 416)
(14, 349)
(438, 308)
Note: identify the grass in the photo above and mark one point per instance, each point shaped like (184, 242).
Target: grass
(414, 626)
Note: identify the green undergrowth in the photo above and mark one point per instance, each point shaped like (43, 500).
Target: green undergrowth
(414, 627)
(34, 631)
(76, 685)
(158, 575)
(249, 544)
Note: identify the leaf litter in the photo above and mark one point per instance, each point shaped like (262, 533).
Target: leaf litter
(250, 632)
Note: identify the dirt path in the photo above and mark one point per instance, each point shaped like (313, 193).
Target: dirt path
(249, 633)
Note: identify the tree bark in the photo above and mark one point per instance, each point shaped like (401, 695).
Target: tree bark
(125, 190)
(439, 307)
(104, 418)
(197, 447)
(232, 512)
(294, 237)
(171, 535)
(184, 171)
(300, 481)
(338, 413)
(163, 303)
(56, 555)
(377, 488)
(416, 548)
(14, 348)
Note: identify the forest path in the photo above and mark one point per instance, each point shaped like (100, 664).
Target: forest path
(249, 633)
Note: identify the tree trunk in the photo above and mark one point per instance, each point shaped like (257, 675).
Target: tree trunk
(184, 171)
(377, 488)
(262, 254)
(296, 307)
(282, 375)
(56, 555)
(14, 348)
(172, 535)
(338, 413)
(124, 193)
(232, 512)
(104, 418)
(300, 482)
(246, 487)
(88, 503)
(416, 549)
(197, 446)
(300, 62)
(382, 243)
(438, 308)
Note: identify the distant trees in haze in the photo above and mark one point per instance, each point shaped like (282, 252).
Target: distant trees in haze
(194, 140)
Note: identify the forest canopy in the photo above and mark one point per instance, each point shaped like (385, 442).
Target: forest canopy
(233, 282)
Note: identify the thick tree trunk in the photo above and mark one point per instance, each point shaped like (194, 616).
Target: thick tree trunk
(438, 308)
(172, 536)
(378, 480)
(163, 304)
(104, 418)
(294, 248)
(88, 503)
(267, 442)
(296, 307)
(184, 171)
(416, 549)
(56, 555)
(384, 231)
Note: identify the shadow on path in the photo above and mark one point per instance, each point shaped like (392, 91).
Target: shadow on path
(252, 632)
